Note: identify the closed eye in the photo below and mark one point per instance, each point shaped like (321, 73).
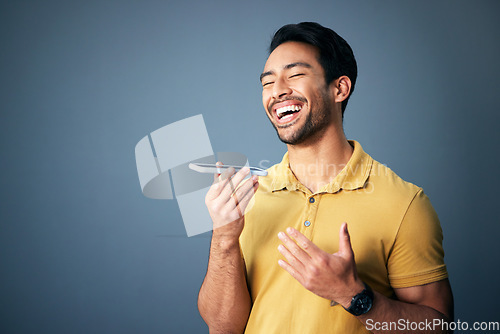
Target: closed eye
(296, 75)
(267, 83)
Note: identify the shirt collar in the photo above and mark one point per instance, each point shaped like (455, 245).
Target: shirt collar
(353, 176)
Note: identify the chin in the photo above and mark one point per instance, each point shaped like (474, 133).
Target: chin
(292, 138)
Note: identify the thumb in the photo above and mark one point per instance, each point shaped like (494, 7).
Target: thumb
(345, 248)
(217, 176)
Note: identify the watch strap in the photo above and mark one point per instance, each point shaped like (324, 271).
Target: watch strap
(362, 302)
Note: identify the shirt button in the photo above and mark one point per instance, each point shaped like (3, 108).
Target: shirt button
(307, 223)
(311, 200)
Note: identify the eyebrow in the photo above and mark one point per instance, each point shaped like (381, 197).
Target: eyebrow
(286, 67)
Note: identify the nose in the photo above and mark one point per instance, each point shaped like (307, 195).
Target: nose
(281, 88)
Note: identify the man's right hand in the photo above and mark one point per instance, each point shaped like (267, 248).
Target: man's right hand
(227, 199)
(224, 300)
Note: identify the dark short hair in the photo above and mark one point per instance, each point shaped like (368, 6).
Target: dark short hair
(335, 55)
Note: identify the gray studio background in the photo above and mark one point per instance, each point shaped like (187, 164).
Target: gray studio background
(83, 251)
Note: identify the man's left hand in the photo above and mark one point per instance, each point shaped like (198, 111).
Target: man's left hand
(331, 276)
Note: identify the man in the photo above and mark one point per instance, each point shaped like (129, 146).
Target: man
(335, 242)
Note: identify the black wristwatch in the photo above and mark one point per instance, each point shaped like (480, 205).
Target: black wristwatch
(362, 302)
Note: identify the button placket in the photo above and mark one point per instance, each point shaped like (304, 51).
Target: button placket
(309, 219)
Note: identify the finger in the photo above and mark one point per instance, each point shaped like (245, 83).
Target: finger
(217, 177)
(226, 174)
(290, 244)
(345, 248)
(236, 208)
(294, 273)
(244, 188)
(218, 186)
(303, 242)
(243, 202)
(292, 260)
(233, 183)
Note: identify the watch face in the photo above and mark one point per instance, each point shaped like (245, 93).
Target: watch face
(364, 304)
(361, 305)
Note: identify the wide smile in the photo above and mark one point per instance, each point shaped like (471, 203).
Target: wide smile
(287, 111)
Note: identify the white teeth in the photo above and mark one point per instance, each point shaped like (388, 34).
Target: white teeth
(282, 110)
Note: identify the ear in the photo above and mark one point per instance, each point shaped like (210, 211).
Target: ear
(341, 88)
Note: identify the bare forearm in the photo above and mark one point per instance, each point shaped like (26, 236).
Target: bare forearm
(393, 316)
(224, 301)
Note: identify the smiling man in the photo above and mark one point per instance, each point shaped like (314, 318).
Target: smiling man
(335, 242)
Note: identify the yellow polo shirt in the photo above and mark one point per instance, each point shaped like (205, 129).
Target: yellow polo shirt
(395, 234)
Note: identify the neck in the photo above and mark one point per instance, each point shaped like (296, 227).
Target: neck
(317, 162)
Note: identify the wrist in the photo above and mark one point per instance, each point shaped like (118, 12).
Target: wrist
(362, 302)
(225, 242)
(357, 287)
(228, 231)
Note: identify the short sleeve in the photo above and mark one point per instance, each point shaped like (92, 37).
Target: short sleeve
(417, 256)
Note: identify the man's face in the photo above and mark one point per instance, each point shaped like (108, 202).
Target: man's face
(294, 93)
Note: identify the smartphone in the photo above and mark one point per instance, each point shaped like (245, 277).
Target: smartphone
(218, 169)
